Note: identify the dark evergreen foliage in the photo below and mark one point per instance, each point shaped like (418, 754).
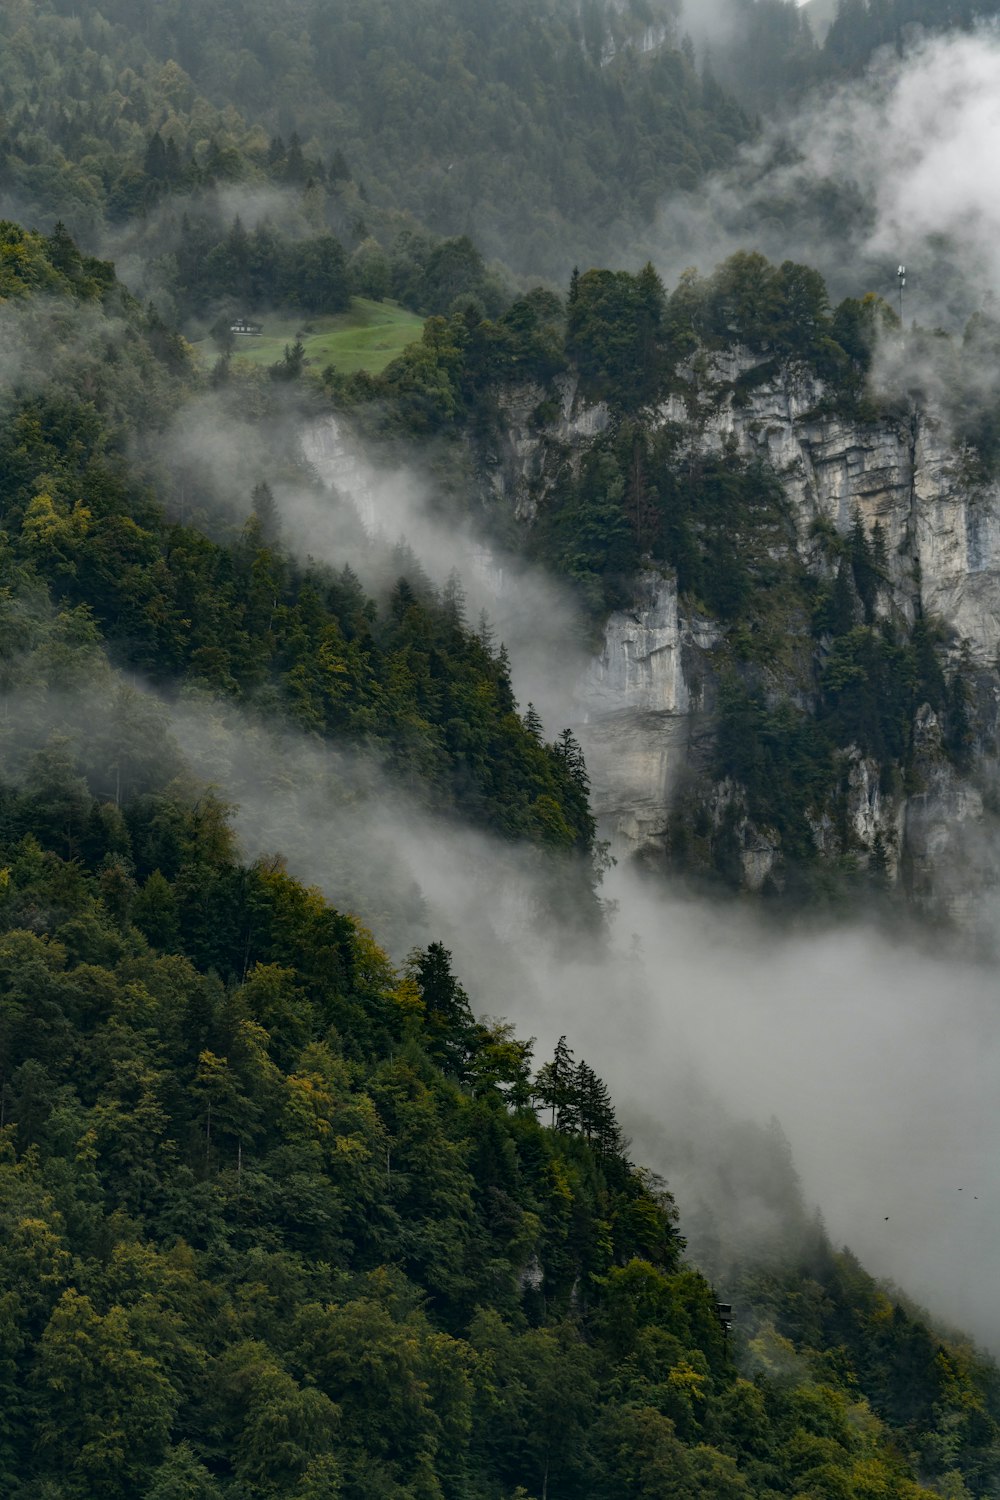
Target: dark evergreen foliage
(541, 126)
(277, 1220)
(241, 619)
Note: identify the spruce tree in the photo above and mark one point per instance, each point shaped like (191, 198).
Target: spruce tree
(266, 511)
(448, 1016)
(556, 1087)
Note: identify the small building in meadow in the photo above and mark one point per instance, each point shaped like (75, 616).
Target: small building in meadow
(245, 327)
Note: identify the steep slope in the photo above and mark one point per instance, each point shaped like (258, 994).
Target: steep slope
(783, 519)
(644, 707)
(153, 562)
(280, 1220)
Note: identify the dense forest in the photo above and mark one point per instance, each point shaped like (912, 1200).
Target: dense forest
(532, 129)
(282, 1215)
(281, 1220)
(408, 679)
(285, 1219)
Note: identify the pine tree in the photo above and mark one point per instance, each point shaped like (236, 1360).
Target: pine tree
(533, 723)
(295, 162)
(930, 684)
(878, 867)
(291, 364)
(62, 250)
(453, 601)
(641, 512)
(485, 633)
(266, 510)
(155, 164)
(958, 735)
(448, 1017)
(556, 1088)
(505, 689)
(568, 749)
(880, 551)
(338, 170)
(598, 1123)
(401, 599)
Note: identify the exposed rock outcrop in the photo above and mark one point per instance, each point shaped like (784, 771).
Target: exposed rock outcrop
(643, 710)
(646, 704)
(646, 701)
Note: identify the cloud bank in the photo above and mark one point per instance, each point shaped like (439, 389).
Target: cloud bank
(878, 1060)
(897, 166)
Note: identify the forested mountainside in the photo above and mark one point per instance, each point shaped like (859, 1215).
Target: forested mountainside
(766, 50)
(281, 1219)
(403, 677)
(282, 1215)
(860, 27)
(532, 128)
(797, 685)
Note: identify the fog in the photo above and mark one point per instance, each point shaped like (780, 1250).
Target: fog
(895, 167)
(877, 1058)
(143, 249)
(36, 333)
(540, 624)
(709, 23)
(879, 1061)
(337, 507)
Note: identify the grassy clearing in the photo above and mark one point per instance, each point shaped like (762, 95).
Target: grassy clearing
(365, 338)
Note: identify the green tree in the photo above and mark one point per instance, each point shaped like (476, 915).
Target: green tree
(106, 1405)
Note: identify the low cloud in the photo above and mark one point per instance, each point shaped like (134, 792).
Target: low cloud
(877, 1058)
(897, 166)
(337, 506)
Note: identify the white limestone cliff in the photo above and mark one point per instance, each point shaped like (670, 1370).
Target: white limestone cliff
(640, 713)
(643, 716)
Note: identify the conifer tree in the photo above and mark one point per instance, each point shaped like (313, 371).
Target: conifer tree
(556, 1087)
(570, 752)
(485, 632)
(453, 600)
(156, 158)
(866, 574)
(449, 1020)
(958, 724)
(266, 511)
(598, 1123)
(845, 608)
(533, 723)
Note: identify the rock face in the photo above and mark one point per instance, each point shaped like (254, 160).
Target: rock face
(942, 532)
(336, 461)
(645, 703)
(642, 712)
(530, 431)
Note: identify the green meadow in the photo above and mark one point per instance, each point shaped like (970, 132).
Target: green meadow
(365, 338)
